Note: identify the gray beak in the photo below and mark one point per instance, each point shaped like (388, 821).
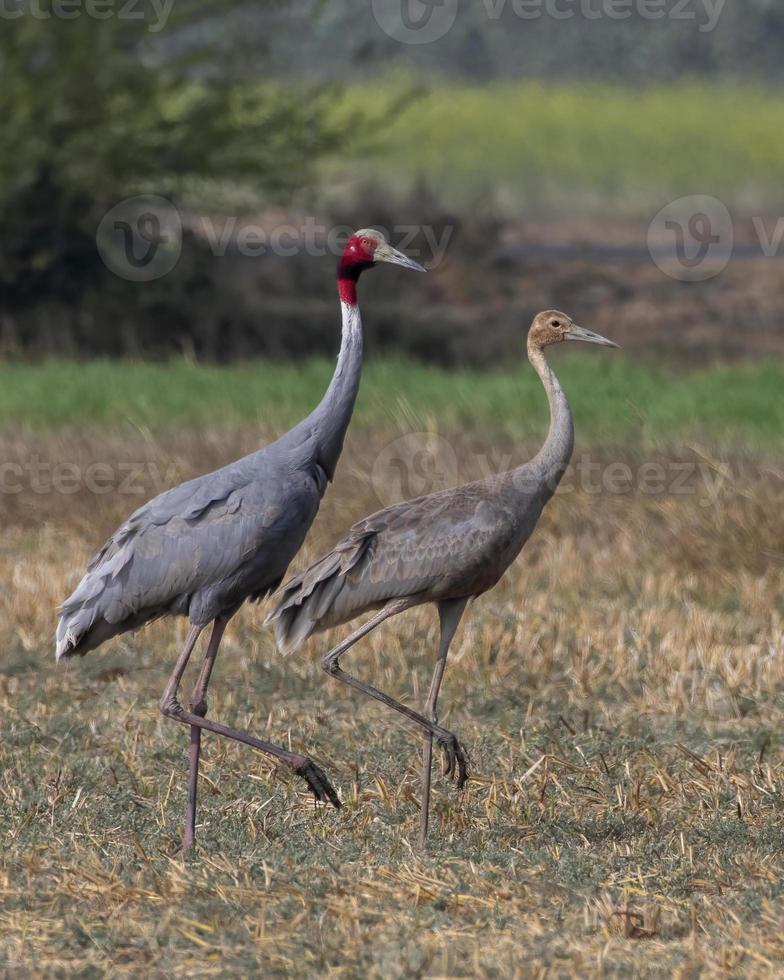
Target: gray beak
(385, 253)
(579, 333)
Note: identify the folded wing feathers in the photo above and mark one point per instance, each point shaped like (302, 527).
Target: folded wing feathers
(306, 599)
(99, 595)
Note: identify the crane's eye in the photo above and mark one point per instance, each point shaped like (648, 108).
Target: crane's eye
(366, 242)
(556, 323)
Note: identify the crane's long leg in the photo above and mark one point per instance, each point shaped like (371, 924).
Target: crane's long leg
(199, 707)
(450, 613)
(453, 752)
(171, 708)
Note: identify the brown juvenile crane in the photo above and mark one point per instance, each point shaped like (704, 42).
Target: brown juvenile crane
(204, 547)
(444, 548)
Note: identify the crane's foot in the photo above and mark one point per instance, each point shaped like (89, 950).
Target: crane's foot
(455, 762)
(317, 781)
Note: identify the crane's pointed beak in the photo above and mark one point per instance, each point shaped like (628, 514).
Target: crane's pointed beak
(579, 333)
(385, 253)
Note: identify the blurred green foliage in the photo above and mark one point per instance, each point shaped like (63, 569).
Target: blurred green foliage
(587, 146)
(93, 110)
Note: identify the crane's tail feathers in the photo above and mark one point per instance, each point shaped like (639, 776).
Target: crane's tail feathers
(80, 630)
(64, 645)
(93, 615)
(83, 631)
(100, 606)
(305, 604)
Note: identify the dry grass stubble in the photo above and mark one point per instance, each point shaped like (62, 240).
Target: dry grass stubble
(620, 694)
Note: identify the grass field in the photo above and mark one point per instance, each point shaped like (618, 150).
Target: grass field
(535, 145)
(621, 696)
(613, 399)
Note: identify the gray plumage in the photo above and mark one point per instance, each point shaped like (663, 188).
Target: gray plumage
(454, 544)
(201, 549)
(205, 546)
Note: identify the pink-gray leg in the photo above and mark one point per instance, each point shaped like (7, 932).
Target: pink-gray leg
(455, 760)
(169, 705)
(199, 707)
(450, 613)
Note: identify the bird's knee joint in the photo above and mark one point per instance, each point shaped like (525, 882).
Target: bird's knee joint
(170, 707)
(200, 708)
(331, 666)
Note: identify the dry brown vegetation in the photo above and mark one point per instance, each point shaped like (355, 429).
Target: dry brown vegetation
(620, 694)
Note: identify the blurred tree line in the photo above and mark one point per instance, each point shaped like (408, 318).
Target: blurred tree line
(191, 99)
(636, 42)
(103, 100)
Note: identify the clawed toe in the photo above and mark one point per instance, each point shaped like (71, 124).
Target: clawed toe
(448, 758)
(455, 764)
(318, 783)
(462, 771)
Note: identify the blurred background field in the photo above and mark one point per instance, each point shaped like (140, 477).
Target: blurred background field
(528, 158)
(547, 146)
(621, 694)
(615, 401)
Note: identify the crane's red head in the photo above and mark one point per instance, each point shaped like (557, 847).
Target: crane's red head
(362, 251)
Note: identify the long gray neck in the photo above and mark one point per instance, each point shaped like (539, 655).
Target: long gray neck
(553, 458)
(330, 419)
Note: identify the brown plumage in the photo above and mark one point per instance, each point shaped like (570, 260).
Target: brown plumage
(444, 548)
(450, 544)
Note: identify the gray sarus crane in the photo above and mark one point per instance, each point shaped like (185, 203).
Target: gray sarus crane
(202, 548)
(444, 548)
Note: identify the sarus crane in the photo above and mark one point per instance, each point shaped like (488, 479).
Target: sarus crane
(202, 548)
(444, 548)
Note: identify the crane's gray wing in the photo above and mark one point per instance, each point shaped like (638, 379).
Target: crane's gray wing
(430, 548)
(195, 544)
